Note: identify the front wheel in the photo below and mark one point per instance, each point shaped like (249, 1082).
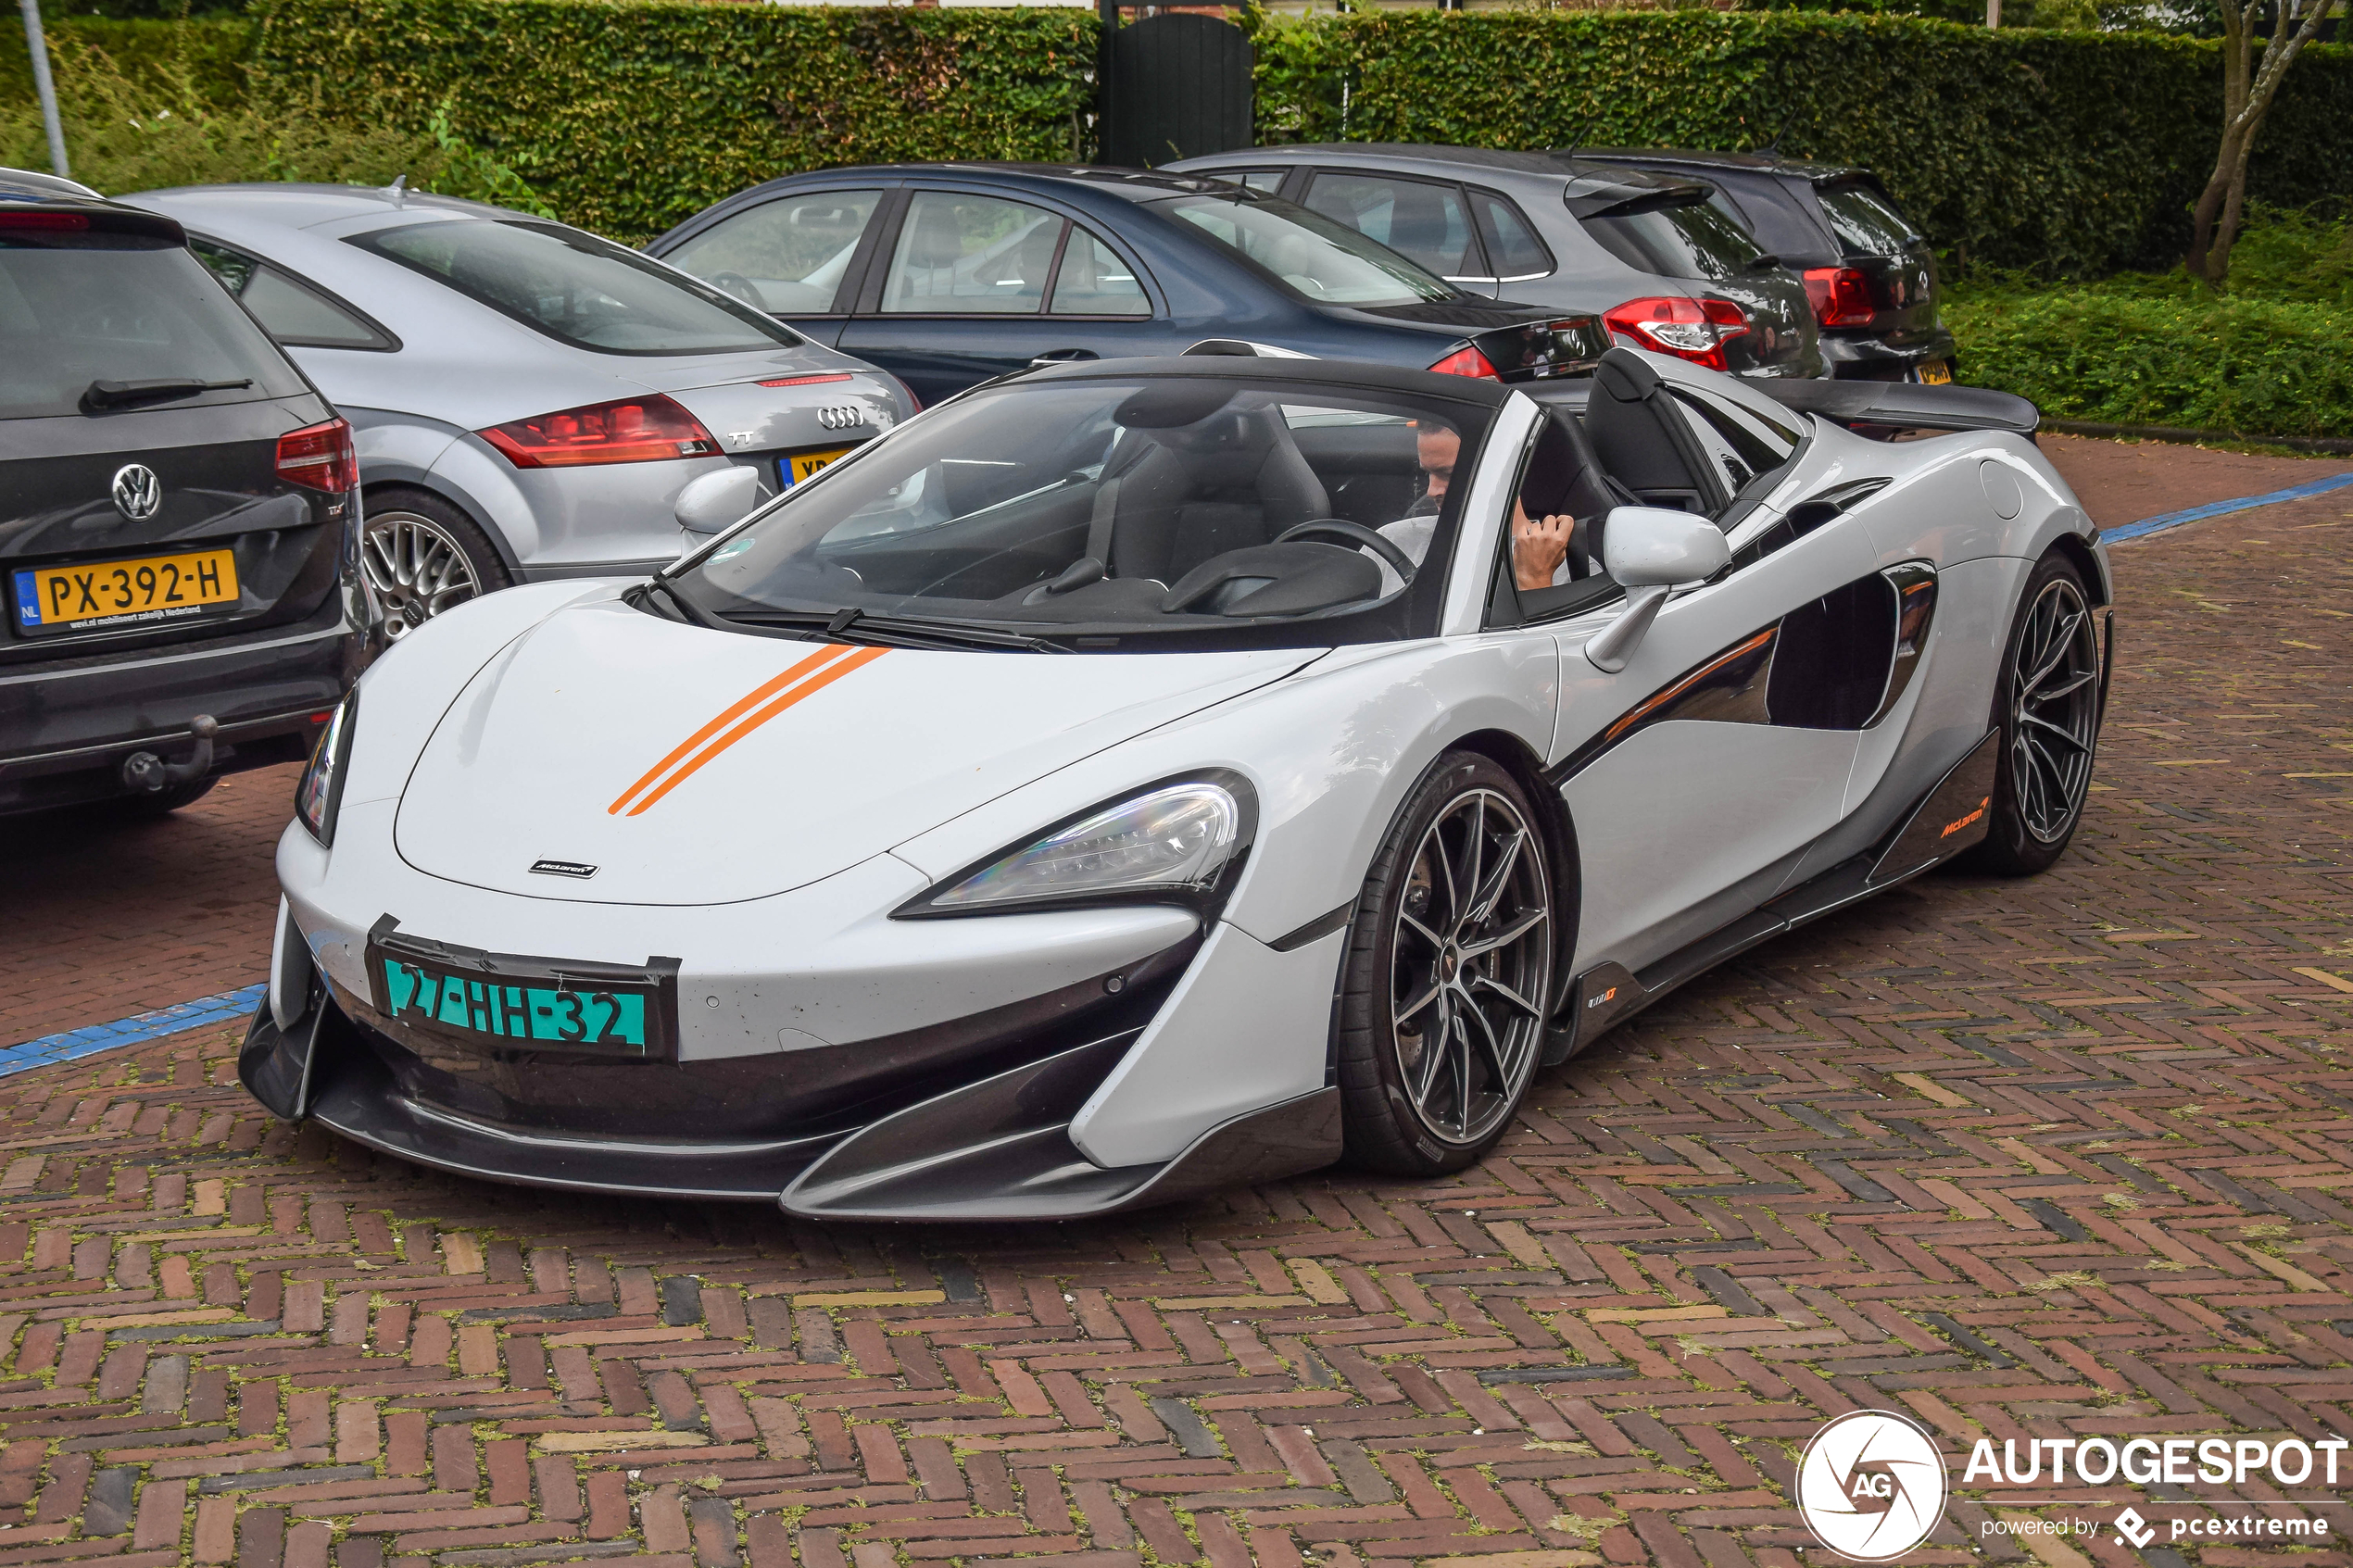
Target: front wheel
(1448, 971)
(2047, 708)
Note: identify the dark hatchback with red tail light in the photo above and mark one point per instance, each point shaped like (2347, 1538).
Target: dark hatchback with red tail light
(947, 275)
(178, 516)
(1869, 271)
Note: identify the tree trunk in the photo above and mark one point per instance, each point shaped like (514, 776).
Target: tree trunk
(2247, 93)
(1992, 13)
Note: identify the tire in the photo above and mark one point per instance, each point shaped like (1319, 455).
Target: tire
(2047, 704)
(423, 555)
(169, 798)
(1419, 1101)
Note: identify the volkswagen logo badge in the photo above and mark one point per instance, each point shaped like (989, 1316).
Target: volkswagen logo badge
(138, 494)
(841, 416)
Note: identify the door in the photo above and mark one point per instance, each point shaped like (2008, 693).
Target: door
(1697, 773)
(977, 286)
(798, 257)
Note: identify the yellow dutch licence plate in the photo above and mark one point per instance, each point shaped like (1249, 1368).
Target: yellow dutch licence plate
(1936, 372)
(800, 465)
(83, 594)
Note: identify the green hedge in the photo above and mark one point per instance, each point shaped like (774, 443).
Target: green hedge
(629, 118)
(2257, 367)
(212, 49)
(2072, 153)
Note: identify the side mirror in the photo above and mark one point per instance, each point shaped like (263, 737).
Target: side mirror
(718, 499)
(1650, 550)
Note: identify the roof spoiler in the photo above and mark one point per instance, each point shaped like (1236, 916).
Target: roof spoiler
(1903, 405)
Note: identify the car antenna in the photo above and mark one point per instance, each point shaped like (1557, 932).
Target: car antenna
(399, 189)
(1772, 149)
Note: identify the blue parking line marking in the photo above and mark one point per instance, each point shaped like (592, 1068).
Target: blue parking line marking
(2164, 520)
(47, 1051)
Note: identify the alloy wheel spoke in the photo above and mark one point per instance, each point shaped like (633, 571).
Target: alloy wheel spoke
(1410, 924)
(1527, 921)
(1488, 1046)
(1483, 901)
(1430, 993)
(2065, 736)
(1511, 998)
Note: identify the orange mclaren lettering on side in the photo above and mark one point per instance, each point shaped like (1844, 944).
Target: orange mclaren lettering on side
(754, 709)
(1966, 820)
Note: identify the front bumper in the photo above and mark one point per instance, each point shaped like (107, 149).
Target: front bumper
(962, 1121)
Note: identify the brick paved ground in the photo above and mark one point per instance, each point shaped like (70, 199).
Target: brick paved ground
(2027, 1159)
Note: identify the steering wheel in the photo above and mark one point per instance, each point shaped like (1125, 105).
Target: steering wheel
(740, 286)
(1355, 533)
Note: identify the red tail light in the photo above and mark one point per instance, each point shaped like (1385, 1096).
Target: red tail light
(807, 381)
(1466, 361)
(320, 457)
(44, 220)
(1697, 330)
(635, 430)
(1840, 297)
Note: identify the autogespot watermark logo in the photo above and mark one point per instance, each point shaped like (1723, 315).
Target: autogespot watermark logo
(1871, 1486)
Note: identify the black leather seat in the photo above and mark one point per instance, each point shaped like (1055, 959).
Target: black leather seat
(1173, 499)
(1643, 442)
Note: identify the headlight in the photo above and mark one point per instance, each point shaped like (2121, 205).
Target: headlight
(320, 791)
(1176, 841)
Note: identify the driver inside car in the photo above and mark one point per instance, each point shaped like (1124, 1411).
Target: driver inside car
(1540, 545)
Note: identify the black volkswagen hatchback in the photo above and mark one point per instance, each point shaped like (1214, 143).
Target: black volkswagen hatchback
(177, 512)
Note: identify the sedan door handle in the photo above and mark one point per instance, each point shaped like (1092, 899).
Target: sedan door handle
(1062, 357)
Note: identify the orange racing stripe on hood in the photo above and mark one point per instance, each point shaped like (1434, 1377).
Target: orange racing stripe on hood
(739, 718)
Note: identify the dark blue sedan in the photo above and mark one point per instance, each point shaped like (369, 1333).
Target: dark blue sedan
(948, 274)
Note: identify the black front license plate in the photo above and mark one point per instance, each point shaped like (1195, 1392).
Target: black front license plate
(510, 1001)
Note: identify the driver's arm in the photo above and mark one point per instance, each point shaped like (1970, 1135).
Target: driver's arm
(1540, 548)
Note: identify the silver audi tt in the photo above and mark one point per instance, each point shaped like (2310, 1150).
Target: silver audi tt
(529, 400)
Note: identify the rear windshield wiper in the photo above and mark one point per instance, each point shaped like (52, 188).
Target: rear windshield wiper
(893, 631)
(121, 393)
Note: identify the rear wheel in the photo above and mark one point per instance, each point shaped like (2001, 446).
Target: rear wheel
(422, 557)
(2048, 706)
(1447, 970)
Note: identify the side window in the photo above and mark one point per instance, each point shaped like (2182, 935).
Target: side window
(786, 257)
(1429, 223)
(292, 312)
(1514, 253)
(970, 255)
(1094, 281)
(1550, 563)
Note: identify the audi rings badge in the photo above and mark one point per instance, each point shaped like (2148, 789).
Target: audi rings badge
(841, 416)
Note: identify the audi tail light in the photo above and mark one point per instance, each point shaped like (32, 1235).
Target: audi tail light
(1840, 297)
(634, 430)
(1697, 330)
(807, 381)
(320, 457)
(1466, 361)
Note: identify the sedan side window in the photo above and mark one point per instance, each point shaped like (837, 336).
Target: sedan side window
(786, 257)
(1429, 223)
(1095, 280)
(292, 312)
(971, 255)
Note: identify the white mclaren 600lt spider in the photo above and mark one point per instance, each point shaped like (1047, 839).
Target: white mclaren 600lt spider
(1131, 778)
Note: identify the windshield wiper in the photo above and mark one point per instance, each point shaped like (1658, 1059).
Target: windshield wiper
(893, 631)
(688, 611)
(120, 393)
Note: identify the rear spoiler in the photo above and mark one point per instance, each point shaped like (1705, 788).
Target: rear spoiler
(1903, 405)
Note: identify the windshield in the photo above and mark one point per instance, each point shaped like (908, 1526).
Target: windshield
(1122, 507)
(1683, 238)
(576, 288)
(82, 308)
(1320, 260)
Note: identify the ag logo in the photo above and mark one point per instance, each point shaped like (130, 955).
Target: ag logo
(1871, 1486)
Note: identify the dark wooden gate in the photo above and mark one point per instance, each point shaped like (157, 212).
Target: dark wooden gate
(1175, 85)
